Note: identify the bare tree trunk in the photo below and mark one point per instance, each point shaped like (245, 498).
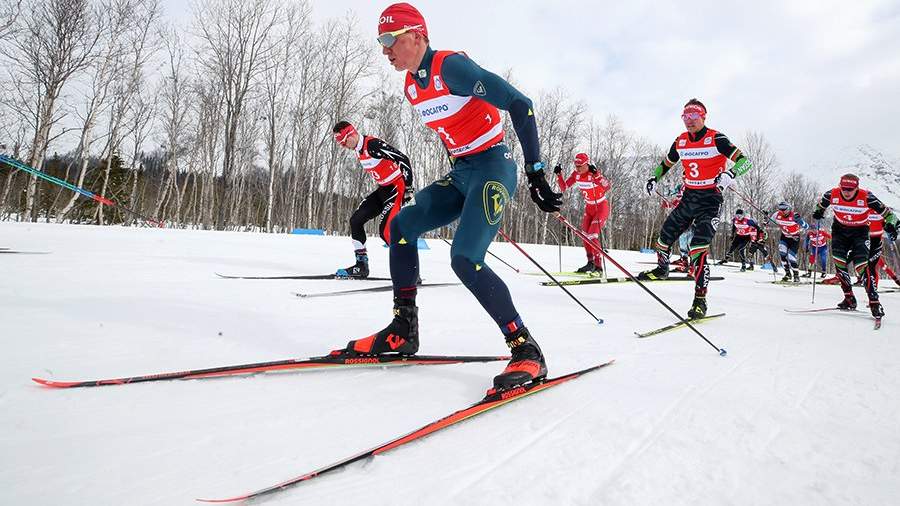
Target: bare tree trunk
(50, 43)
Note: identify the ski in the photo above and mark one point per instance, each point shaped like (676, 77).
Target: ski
(326, 362)
(566, 273)
(571, 282)
(11, 252)
(877, 323)
(376, 289)
(822, 310)
(677, 325)
(492, 400)
(304, 276)
(788, 283)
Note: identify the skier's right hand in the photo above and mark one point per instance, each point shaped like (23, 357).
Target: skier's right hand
(557, 169)
(819, 213)
(651, 184)
(545, 198)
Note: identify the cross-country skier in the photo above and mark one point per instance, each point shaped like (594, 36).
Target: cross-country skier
(743, 229)
(816, 245)
(460, 101)
(392, 173)
(593, 186)
(876, 247)
(758, 243)
(703, 153)
(850, 236)
(792, 227)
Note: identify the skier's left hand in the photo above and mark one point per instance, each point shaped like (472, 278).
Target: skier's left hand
(592, 168)
(541, 193)
(891, 230)
(724, 180)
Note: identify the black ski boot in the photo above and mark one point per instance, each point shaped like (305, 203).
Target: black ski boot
(527, 362)
(359, 270)
(653, 274)
(750, 267)
(586, 268)
(400, 336)
(849, 303)
(807, 275)
(698, 308)
(787, 276)
(743, 268)
(877, 309)
(796, 276)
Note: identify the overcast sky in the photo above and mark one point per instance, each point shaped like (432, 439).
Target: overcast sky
(814, 76)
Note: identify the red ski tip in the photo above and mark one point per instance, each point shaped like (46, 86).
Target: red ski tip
(53, 384)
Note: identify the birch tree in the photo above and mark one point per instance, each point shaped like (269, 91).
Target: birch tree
(52, 41)
(235, 51)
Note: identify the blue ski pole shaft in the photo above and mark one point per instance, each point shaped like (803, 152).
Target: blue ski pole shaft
(12, 162)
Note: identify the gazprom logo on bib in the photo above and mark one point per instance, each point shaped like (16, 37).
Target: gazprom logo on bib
(431, 111)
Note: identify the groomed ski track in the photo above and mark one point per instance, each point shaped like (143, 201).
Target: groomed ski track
(802, 411)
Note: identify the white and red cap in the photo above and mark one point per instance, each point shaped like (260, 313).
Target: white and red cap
(582, 159)
(345, 132)
(849, 182)
(399, 16)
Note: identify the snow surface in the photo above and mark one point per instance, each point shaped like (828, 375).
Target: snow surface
(803, 410)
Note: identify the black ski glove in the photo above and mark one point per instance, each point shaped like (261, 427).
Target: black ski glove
(557, 169)
(592, 168)
(891, 230)
(545, 198)
(651, 184)
(819, 213)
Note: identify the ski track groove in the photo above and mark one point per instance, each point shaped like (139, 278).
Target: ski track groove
(498, 463)
(660, 427)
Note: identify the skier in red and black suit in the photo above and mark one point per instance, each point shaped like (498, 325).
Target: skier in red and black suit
(876, 245)
(593, 187)
(758, 243)
(743, 230)
(792, 227)
(392, 173)
(850, 231)
(817, 247)
(703, 153)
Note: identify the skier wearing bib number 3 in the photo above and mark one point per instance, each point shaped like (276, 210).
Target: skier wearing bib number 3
(703, 153)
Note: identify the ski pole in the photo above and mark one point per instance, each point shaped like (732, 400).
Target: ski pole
(489, 253)
(15, 164)
(768, 220)
(815, 260)
(687, 322)
(514, 243)
(558, 247)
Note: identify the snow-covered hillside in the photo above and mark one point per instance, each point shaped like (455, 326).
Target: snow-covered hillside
(803, 410)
